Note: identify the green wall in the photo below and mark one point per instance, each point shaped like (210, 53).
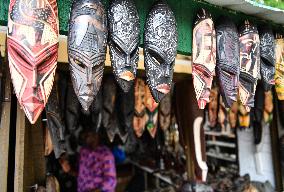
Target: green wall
(185, 11)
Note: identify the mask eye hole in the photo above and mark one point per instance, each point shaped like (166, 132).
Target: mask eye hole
(97, 68)
(78, 62)
(118, 48)
(133, 53)
(156, 57)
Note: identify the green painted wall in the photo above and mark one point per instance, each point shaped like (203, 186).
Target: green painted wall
(185, 11)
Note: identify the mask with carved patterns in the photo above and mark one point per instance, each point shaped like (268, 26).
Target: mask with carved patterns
(124, 29)
(249, 63)
(32, 50)
(203, 56)
(228, 60)
(160, 49)
(87, 40)
(267, 55)
(279, 68)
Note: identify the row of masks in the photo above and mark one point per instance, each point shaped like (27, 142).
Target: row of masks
(33, 30)
(241, 57)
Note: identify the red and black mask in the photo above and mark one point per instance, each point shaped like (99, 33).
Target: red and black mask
(228, 60)
(32, 51)
(249, 63)
(87, 40)
(160, 49)
(124, 29)
(203, 56)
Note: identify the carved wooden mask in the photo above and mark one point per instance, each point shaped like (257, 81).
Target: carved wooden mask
(160, 49)
(87, 48)
(267, 55)
(124, 32)
(249, 63)
(32, 51)
(279, 68)
(203, 56)
(228, 60)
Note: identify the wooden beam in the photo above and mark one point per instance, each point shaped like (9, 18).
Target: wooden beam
(30, 162)
(182, 64)
(4, 133)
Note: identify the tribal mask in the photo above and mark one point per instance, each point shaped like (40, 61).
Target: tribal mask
(87, 48)
(203, 56)
(279, 68)
(228, 60)
(267, 54)
(249, 63)
(124, 41)
(160, 49)
(32, 51)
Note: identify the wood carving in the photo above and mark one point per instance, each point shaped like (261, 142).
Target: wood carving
(203, 56)
(32, 42)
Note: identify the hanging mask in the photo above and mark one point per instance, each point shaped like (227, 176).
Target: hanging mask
(87, 48)
(124, 41)
(228, 60)
(249, 63)
(160, 49)
(32, 51)
(55, 123)
(151, 113)
(140, 117)
(279, 68)
(165, 112)
(267, 54)
(203, 56)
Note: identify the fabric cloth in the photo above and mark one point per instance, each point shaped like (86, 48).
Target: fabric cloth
(96, 170)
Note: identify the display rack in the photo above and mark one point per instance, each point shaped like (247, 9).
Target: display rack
(221, 146)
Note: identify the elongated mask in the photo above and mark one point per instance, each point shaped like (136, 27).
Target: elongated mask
(249, 63)
(279, 68)
(87, 48)
(32, 50)
(228, 60)
(160, 49)
(203, 56)
(124, 41)
(267, 57)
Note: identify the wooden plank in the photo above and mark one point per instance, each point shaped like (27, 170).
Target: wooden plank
(4, 135)
(20, 150)
(30, 162)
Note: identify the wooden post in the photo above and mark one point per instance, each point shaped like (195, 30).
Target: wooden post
(30, 162)
(4, 135)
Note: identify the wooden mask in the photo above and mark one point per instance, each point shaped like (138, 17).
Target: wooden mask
(32, 42)
(249, 63)
(279, 68)
(87, 40)
(151, 113)
(203, 56)
(165, 112)
(267, 57)
(160, 49)
(55, 123)
(124, 29)
(140, 117)
(228, 60)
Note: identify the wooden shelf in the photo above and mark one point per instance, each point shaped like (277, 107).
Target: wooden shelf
(220, 134)
(221, 144)
(217, 156)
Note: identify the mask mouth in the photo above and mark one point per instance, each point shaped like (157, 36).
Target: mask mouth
(163, 88)
(127, 76)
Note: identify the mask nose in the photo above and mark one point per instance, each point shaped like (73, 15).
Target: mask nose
(128, 61)
(34, 83)
(89, 75)
(167, 71)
